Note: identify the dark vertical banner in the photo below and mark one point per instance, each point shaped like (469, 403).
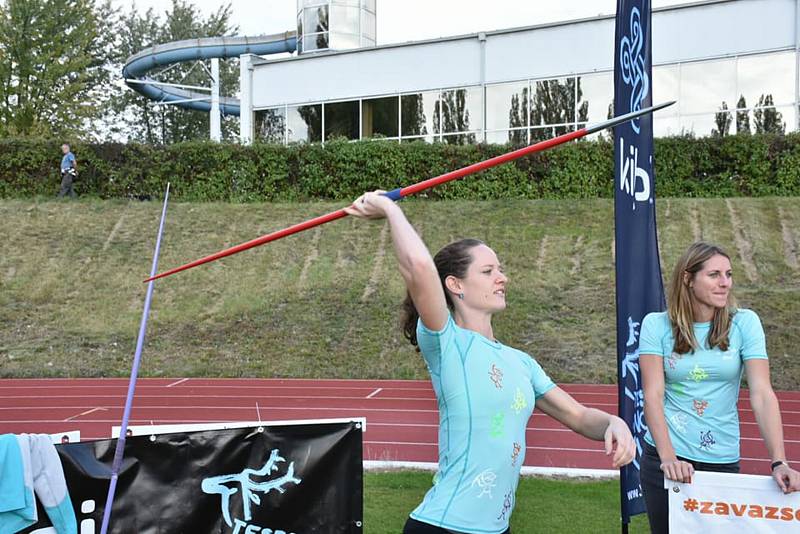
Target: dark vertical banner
(638, 270)
(287, 479)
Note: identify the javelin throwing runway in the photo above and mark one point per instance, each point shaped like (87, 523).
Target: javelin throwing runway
(401, 414)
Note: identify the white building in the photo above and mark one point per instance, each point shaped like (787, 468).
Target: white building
(731, 62)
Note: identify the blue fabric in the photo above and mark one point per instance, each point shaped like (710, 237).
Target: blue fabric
(486, 393)
(28, 463)
(17, 503)
(701, 389)
(67, 161)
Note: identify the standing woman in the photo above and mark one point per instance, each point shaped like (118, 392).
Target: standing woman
(486, 391)
(691, 358)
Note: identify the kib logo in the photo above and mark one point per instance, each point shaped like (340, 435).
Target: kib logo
(253, 483)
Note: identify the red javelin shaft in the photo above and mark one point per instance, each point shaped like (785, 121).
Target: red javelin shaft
(397, 194)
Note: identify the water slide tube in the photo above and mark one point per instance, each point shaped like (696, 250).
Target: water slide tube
(194, 49)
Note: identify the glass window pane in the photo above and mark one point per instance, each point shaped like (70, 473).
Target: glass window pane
(316, 41)
(368, 24)
(517, 137)
(344, 41)
(305, 123)
(270, 125)
(307, 3)
(354, 3)
(665, 126)
(316, 19)
(773, 120)
(418, 113)
(698, 125)
(595, 97)
(461, 110)
(766, 77)
(507, 105)
(553, 101)
(549, 132)
(345, 19)
(341, 120)
(380, 117)
(665, 88)
(705, 85)
(370, 5)
(462, 139)
(299, 26)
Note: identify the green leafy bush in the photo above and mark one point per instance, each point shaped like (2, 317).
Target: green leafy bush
(753, 165)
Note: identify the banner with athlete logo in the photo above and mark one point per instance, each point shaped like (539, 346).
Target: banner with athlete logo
(719, 503)
(273, 479)
(638, 270)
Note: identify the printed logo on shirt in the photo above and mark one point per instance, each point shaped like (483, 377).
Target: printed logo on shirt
(677, 388)
(497, 376)
(485, 482)
(679, 421)
(515, 453)
(698, 374)
(707, 440)
(673, 360)
(700, 406)
(498, 421)
(520, 402)
(507, 501)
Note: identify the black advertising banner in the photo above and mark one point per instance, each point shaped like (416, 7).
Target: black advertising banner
(638, 270)
(288, 479)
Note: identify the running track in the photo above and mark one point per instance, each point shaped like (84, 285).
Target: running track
(401, 414)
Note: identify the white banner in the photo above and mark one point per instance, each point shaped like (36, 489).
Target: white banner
(721, 502)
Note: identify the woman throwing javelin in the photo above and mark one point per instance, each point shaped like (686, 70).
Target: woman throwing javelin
(691, 359)
(486, 391)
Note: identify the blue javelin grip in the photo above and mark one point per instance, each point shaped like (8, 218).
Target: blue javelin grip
(394, 194)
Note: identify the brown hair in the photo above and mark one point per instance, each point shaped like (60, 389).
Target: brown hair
(680, 298)
(452, 260)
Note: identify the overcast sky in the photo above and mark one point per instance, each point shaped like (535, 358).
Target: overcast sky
(412, 20)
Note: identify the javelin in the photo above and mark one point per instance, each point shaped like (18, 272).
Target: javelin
(397, 194)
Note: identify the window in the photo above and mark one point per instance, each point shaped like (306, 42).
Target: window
(304, 123)
(461, 110)
(341, 120)
(270, 125)
(417, 114)
(706, 85)
(380, 117)
(595, 97)
(553, 101)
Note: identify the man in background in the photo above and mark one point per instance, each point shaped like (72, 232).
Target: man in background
(69, 171)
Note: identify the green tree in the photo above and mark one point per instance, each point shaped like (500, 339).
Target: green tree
(135, 117)
(53, 59)
(742, 117)
(554, 103)
(767, 119)
(722, 121)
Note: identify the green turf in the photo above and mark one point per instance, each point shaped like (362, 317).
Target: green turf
(542, 506)
(325, 303)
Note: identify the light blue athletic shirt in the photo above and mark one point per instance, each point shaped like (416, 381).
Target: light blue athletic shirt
(66, 161)
(486, 392)
(701, 389)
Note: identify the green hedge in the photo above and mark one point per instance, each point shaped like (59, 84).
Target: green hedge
(203, 171)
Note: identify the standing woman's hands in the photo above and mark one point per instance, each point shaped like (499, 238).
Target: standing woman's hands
(788, 479)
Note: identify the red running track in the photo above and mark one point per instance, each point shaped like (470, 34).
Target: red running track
(401, 414)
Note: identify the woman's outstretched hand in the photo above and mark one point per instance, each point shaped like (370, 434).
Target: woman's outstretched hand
(617, 433)
(372, 205)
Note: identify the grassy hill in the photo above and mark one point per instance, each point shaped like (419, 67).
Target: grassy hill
(325, 303)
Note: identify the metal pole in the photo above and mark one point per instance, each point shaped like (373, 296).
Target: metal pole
(120, 450)
(216, 130)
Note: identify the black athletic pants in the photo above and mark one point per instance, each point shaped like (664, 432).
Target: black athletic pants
(418, 527)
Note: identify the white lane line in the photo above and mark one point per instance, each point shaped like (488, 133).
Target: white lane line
(374, 393)
(87, 412)
(181, 381)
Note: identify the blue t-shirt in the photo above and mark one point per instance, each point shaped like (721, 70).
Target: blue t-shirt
(486, 392)
(701, 389)
(67, 161)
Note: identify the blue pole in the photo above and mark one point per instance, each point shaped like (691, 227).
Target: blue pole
(118, 453)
